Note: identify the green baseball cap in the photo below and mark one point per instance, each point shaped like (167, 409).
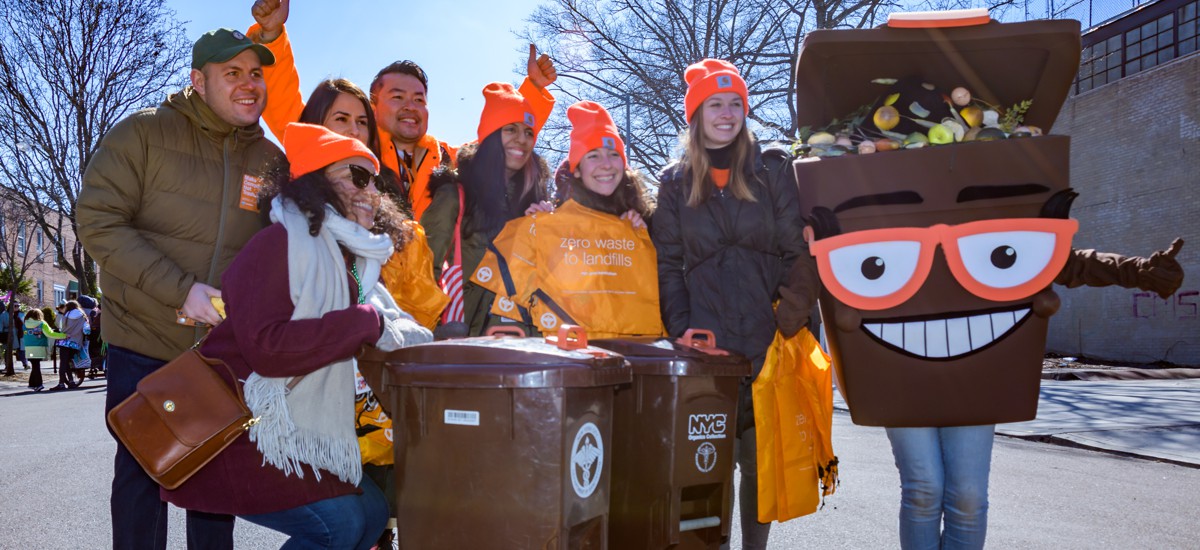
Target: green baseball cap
(221, 45)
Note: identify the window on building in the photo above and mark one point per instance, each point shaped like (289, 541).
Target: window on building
(1189, 28)
(60, 294)
(40, 296)
(1138, 44)
(40, 238)
(20, 238)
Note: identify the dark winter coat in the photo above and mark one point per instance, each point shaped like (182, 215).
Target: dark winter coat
(722, 263)
(439, 220)
(162, 208)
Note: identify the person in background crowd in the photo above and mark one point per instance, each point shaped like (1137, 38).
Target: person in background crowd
(302, 299)
(38, 337)
(168, 200)
(728, 231)
(75, 327)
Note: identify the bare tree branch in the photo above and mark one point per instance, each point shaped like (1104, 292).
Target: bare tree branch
(69, 70)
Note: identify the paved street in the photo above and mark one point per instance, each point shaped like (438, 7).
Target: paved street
(55, 468)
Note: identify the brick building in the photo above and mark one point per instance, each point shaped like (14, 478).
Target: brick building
(1134, 123)
(24, 243)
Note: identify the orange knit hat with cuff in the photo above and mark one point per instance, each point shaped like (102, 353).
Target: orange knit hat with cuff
(311, 147)
(712, 76)
(592, 128)
(503, 105)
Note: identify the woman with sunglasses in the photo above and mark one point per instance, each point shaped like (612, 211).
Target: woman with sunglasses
(343, 107)
(728, 234)
(302, 297)
(499, 178)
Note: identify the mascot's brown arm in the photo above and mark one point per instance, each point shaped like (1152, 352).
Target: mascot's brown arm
(1160, 273)
(797, 295)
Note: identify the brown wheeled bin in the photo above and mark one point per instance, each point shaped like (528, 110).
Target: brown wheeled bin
(502, 442)
(673, 432)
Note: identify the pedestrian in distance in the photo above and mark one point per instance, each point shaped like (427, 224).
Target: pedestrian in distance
(303, 297)
(727, 230)
(38, 338)
(72, 346)
(168, 200)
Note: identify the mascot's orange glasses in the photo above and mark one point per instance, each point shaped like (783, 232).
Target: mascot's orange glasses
(999, 260)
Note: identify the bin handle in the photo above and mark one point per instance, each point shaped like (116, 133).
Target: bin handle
(564, 339)
(502, 330)
(702, 340)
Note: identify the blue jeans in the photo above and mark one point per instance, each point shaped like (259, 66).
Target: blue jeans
(943, 477)
(350, 521)
(139, 516)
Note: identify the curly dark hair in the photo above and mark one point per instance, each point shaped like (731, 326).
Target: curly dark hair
(312, 191)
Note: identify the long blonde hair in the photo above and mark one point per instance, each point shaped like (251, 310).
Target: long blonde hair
(695, 161)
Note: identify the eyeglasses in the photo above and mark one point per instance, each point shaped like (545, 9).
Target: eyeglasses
(999, 260)
(361, 177)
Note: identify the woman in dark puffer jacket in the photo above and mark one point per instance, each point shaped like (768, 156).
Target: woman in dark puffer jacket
(728, 231)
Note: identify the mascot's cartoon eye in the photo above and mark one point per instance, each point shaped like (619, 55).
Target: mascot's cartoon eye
(1006, 259)
(875, 269)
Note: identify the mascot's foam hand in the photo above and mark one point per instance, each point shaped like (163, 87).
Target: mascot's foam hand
(797, 295)
(1161, 272)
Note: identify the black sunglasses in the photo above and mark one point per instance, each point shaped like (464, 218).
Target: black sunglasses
(361, 177)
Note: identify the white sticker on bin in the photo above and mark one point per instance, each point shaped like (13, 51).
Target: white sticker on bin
(587, 460)
(461, 418)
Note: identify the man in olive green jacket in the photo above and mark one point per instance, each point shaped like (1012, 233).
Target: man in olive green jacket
(168, 200)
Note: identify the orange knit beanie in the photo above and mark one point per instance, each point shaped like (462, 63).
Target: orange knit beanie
(712, 76)
(592, 128)
(502, 105)
(311, 147)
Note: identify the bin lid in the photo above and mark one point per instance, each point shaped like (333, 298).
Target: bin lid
(668, 357)
(1001, 63)
(503, 362)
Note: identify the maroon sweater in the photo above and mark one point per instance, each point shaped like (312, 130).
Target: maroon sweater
(259, 336)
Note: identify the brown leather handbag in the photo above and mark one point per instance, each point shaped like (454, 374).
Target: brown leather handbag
(181, 416)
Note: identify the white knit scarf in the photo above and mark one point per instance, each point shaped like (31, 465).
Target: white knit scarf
(313, 422)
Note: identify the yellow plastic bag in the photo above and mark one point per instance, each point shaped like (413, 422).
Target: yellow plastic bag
(375, 439)
(793, 416)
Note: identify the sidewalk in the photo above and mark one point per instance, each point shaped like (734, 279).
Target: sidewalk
(1156, 419)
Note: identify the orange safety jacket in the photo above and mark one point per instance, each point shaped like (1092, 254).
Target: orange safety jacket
(577, 266)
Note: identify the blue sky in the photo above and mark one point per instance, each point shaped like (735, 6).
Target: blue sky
(462, 45)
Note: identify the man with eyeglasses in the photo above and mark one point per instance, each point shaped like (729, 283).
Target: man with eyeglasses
(168, 200)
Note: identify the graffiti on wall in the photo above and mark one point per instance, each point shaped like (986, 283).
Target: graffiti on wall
(1184, 304)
